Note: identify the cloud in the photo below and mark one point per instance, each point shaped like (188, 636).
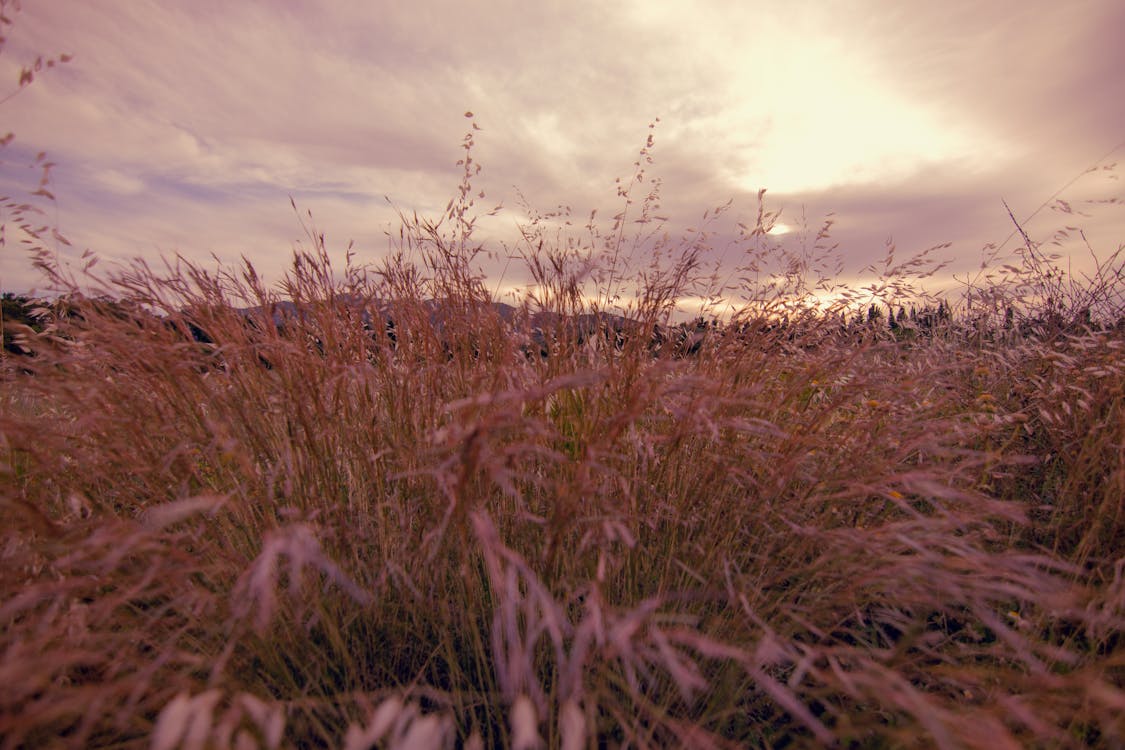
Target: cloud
(188, 127)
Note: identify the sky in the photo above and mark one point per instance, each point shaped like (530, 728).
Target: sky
(187, 127)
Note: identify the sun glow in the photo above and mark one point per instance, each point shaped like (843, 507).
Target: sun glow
(829, 120)
(804, 106)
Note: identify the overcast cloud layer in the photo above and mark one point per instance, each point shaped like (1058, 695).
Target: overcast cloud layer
(185, 127)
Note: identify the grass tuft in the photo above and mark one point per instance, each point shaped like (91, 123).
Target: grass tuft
(369, 507)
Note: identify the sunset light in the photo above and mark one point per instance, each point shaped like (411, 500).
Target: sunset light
(562, 374)
(902, 120)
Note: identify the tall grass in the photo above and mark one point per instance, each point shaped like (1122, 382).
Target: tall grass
(247, 515)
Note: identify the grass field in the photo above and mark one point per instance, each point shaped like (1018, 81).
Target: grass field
(217, 531)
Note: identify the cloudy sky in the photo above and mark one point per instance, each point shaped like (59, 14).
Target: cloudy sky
(185, 127)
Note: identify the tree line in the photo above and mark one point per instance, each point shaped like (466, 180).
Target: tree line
(22, 317)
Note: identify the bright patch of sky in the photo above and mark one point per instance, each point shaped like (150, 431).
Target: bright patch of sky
(187, 127)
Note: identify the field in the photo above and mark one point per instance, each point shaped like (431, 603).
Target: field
(232, 522)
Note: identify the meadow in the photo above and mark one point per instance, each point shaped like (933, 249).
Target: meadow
(250, 515)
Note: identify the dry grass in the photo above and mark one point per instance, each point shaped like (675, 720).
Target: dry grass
(316, 534)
